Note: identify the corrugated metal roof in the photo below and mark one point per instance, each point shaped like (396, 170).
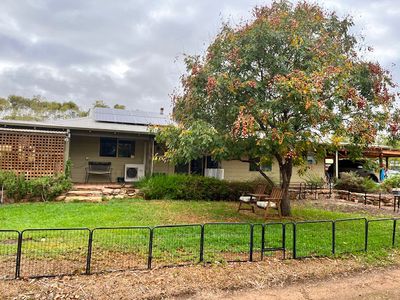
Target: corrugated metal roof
(114, 120)
(89, 123)
(137, 117)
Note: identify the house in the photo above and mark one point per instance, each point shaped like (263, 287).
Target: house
(120, 137)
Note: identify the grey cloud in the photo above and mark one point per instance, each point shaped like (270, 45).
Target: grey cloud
(130, 52)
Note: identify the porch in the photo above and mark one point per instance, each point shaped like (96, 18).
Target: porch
(122, 151)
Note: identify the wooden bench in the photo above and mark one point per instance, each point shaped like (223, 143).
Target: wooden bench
(98, 168)
(252, 198)
(272, 201)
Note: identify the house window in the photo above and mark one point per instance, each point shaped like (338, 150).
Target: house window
(311, 159)
(182, 168)
(212, 164)
(126, 148)
(112, 147)
(253, 166)
(159, 149)
(108, 147)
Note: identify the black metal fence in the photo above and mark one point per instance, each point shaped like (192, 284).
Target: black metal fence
(66, 251)
(305, 190)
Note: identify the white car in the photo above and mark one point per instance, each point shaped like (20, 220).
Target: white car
(390, 173)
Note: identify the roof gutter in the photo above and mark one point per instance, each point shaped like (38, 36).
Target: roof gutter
(7, 129)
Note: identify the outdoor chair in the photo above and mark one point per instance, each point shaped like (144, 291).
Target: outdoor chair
(272, 201)
(98, 168)
(252, 198)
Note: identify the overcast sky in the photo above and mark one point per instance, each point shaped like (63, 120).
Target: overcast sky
(130, 51)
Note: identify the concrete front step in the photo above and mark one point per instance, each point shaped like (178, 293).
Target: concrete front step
(99, 192)
(86, 193)
(83, 198)
(96, 187)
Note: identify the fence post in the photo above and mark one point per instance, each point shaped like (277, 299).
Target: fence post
(380, 199)
(294, 241)
(251, 242)
(149, 259)
(202, 243)
(284, 240)
(89, 252)
(365, 198)
(316, 192)
(366, 235)
(301, 191)
(394, 233)
(333, 237)
(18, 259)
(330, 187)
(262, 240)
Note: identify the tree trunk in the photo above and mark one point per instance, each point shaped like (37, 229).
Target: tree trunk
(285, 168)
(270, 182)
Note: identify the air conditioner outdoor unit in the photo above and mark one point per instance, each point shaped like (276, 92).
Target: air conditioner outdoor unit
(133, 172)
(216, 173)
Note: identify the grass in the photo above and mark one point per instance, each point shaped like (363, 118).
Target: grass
(173, 245)
(137, 212)
(133, 212)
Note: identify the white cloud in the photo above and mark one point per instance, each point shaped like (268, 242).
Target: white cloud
(118, 68)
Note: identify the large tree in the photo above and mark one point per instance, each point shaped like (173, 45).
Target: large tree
(279, 86)
(37, 108)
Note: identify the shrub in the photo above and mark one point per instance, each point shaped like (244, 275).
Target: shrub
(355, 183)
(392, 182)
(15, 186)
(46, 188)
(188, 187)
(314, 180)
(49, 187)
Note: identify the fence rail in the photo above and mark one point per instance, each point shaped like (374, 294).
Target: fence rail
(66, 251)
(302, 190)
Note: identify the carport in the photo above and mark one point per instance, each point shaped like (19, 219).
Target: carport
(383, 153)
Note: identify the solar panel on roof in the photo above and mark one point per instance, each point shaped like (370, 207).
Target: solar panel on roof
(129, 117)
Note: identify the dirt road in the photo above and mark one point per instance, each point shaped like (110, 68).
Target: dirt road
(383, 284)
(273, 279)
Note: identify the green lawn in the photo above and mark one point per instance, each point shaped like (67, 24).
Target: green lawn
(127, 248)
(136, 212)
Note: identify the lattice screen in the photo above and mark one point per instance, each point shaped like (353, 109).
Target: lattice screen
(33, 154)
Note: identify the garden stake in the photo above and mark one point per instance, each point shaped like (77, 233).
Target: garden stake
(380, 198)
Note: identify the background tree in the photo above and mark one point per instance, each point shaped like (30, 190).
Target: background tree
(100, 104)
(37, 109)
(119, 106)
(277, 87)
(103, 104)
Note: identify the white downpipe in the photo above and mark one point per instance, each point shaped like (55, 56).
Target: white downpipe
(336, 164)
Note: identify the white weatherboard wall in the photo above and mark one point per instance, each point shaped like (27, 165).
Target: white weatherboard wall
(240, 171)
(236, 170)
(87, 148)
